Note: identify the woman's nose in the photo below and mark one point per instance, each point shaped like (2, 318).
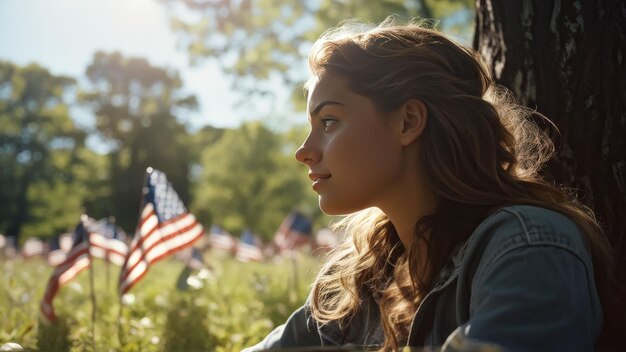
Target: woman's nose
(308, 155)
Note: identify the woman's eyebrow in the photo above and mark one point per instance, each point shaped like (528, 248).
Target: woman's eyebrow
(324, 103)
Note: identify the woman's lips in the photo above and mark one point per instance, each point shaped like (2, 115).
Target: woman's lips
(318, 180)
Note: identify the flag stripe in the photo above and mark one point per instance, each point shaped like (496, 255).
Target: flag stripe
(109, 244)
(59, 278)
(56, 257)
(81, 264)
(149, 220)
(77, 260)
(247, 252)
(219, 241)
(141, 254)
(117, 259)
(141, 268)
(76, 252)
(158, 235)
(110, 249)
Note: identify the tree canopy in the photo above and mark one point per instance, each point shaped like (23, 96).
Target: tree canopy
(256, 41)
(135, 104)
(39, 145)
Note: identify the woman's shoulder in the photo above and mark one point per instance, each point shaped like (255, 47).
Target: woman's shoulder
(527, 280)
(516, 226)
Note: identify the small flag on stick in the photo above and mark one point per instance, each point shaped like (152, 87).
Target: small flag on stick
(248, 252)
(77, 260)
(165, 227)
(221, 239)
(295, 231)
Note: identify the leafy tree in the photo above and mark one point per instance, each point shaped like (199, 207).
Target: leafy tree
(55, 204)
(201, 139)
(257, 41)
(38, 146)
(136, 105)
(93, 175)
(246, 181)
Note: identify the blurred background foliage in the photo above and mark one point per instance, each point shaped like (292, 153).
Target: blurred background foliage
(232, 306)
(261, 42)
(239, 178)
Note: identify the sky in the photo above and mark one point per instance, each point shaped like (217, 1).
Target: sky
(63, 35)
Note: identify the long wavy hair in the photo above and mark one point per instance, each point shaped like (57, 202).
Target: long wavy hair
(479, 152)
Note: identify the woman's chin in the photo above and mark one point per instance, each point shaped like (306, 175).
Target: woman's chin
(335, 208)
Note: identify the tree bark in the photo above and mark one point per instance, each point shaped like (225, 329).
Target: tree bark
(566, 60)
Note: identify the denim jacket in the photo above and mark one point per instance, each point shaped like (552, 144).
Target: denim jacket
(522, 281)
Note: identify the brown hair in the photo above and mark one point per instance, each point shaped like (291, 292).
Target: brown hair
(479, 151)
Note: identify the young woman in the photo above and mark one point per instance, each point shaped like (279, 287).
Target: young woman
(454, 235)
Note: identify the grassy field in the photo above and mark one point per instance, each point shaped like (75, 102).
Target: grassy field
(233, 306)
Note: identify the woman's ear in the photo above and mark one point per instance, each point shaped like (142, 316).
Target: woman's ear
(414, 117)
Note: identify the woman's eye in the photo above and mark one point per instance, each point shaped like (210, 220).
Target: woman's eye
(328, 123)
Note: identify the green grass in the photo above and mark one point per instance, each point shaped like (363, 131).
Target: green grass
(233, 307)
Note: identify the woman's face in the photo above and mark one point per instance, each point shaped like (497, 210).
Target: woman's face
(353, 153)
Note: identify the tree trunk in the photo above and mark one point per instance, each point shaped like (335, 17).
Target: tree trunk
(566, 59)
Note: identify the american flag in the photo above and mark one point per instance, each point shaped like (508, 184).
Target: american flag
(165, 227)
(248, 248)
(77, 260)
(108, 241)
(221, 239)
(295, 231)
(247, 252)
